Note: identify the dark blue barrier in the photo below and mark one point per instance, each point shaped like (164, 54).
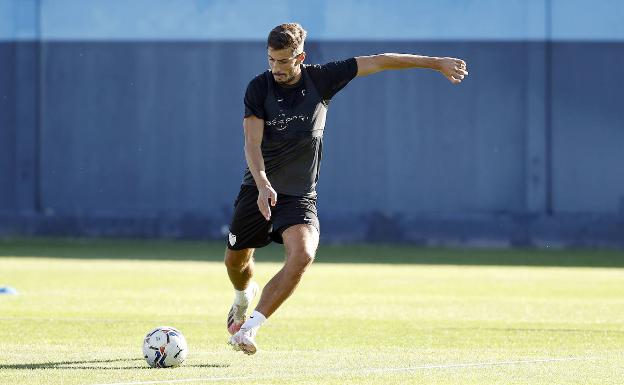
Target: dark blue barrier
(7, 127)
(131, 134)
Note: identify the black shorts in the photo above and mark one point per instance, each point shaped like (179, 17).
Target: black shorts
(249, 229)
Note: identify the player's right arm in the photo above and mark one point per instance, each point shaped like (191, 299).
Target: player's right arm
(254, 130)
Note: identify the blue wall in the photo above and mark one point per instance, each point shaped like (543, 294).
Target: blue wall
(588, 129)
(124, 118)
(446, 20)
(7, 127)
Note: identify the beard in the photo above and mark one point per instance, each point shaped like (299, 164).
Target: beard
(285, 78)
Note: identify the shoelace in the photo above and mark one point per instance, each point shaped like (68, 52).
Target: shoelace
(239, 312)
(249, 332)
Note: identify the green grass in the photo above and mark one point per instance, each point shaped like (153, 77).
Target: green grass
(424, 317)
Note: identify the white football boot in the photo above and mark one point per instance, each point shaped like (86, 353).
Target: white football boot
(245, 340)
(236, 316)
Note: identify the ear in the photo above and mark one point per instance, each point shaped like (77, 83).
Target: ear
(301, 57)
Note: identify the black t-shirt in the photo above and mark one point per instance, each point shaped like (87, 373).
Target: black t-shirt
(294, 121)
(328, 78)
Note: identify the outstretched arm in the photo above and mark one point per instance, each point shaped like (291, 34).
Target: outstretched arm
(454, 69)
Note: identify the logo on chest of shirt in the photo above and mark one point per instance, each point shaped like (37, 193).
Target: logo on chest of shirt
(303, 93)
(282, 121)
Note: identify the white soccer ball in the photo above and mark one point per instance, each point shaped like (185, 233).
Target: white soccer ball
(164, 347)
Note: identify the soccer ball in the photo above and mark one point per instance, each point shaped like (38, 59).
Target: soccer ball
(164, 347)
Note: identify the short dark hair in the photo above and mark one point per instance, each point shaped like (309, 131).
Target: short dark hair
(288, 35)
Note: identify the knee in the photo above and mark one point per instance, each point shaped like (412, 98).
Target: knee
(300, 259)
(237, 259)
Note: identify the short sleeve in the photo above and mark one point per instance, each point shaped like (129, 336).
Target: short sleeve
(332, 77)
(254, 97)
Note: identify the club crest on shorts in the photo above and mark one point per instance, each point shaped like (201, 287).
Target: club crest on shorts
(232, 239)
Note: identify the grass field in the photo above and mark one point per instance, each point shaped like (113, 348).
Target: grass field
(424, 316)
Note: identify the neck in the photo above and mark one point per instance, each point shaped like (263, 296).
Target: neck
(296, 78)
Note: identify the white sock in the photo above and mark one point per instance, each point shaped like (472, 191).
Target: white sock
(242, 297)
(255, 320)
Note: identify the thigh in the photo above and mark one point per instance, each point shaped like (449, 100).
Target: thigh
(238, 257)
(301, 241)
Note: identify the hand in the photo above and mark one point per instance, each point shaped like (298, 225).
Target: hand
(454, 69)
(266, 195)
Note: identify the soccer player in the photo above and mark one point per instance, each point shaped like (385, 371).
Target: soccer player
(285, 109)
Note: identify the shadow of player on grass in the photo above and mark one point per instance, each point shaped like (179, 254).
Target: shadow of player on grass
(93, 364)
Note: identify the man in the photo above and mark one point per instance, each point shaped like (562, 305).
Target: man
(285, 110)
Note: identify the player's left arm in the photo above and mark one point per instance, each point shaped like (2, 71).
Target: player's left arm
(454, 69)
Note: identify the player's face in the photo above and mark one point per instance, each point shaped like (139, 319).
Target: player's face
(284, 65)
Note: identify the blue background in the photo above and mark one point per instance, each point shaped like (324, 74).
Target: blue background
(123, 118)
